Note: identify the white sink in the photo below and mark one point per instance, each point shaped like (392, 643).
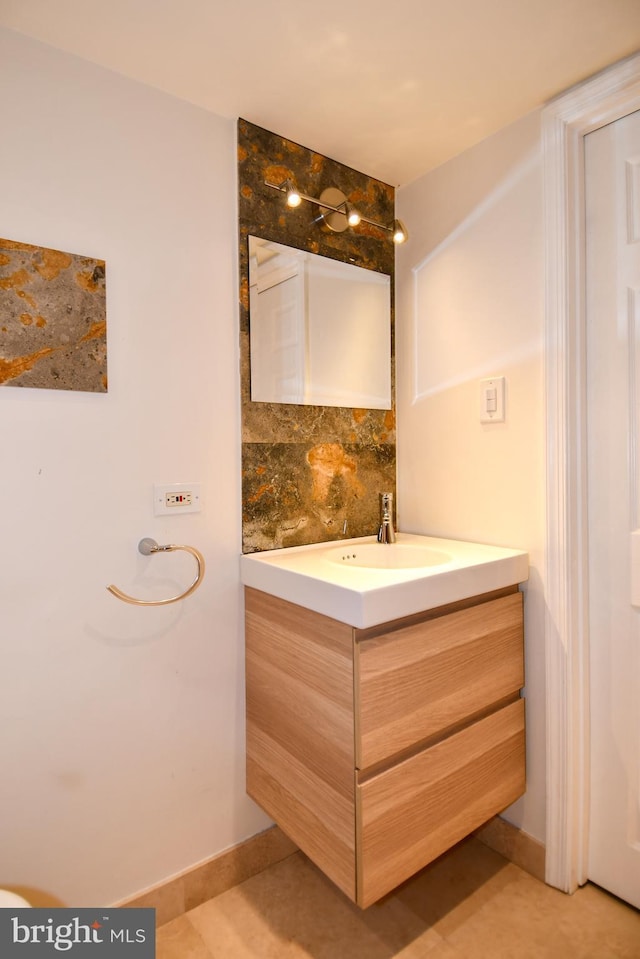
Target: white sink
(363, 583)
(390, 556)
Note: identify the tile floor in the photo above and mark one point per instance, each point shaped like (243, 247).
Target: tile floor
(469, 904)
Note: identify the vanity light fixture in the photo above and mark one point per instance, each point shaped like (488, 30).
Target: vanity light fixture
(335, 210)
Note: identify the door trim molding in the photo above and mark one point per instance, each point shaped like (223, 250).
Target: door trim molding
(565, 121)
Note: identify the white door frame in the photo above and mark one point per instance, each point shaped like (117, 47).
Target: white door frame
(607, 97)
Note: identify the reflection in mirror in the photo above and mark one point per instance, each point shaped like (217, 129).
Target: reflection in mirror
(320, 329)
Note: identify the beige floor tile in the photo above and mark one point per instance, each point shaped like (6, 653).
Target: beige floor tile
(469, 904)
(443, 950)
(179, 940)
(292, 911)
(456, 886)
(601, 925)
(528, 920)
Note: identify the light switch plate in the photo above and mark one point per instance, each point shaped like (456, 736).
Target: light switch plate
(492, 405)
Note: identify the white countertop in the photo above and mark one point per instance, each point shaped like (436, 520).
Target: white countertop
(325, 577)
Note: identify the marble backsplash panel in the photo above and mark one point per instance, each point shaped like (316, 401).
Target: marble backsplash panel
(310, 473)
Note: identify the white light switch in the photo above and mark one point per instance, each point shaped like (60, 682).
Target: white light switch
(492, 400)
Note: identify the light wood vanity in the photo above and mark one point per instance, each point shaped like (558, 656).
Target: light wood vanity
(378, 749)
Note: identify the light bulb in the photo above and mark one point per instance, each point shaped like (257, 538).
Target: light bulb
(353, 216)
(399, 232)
(293, 197)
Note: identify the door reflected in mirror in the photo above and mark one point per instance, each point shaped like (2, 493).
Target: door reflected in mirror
(320, 329)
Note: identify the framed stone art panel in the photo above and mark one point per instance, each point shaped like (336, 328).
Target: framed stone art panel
(53, 319)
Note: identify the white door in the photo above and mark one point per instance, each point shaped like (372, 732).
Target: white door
(612, 156)
(278, 341)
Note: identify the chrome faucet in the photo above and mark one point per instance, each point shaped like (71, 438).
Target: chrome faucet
(386, 533)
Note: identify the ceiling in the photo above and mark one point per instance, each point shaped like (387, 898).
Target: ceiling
(390, 87)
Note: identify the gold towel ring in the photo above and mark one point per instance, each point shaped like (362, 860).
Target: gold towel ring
(148, 546)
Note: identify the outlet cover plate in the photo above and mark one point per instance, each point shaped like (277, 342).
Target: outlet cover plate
(174, 498)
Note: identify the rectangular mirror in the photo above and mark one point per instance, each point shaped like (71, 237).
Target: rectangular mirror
(320, 329)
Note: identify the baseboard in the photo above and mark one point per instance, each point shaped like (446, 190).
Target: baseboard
(515, 845)
(194, 886)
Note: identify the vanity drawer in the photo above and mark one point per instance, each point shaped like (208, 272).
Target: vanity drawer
(416, 682)
(417, 809)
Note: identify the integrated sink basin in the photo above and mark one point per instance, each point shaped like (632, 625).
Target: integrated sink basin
(389, 556)
(364, 583)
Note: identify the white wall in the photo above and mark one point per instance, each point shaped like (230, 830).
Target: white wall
(122, 742)
(469, 306)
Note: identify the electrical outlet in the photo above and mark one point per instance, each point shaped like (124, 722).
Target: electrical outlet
(176, 498)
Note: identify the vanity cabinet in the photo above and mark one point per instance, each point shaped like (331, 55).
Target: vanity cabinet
(375, 750)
